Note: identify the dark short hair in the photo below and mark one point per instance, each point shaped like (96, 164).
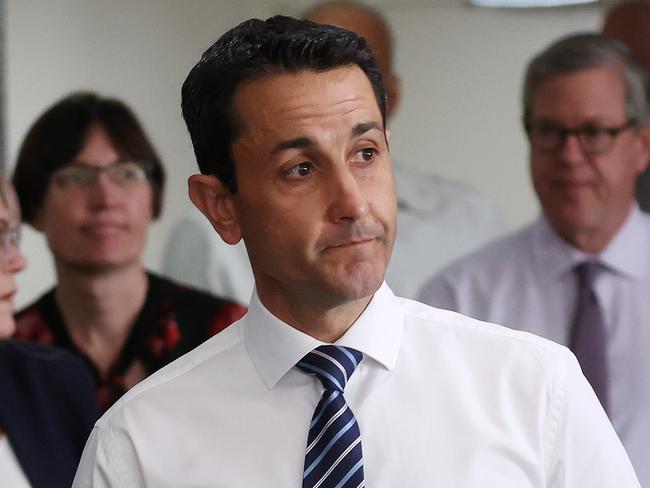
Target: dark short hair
(583, 51)
(253, 49)
(59, 134)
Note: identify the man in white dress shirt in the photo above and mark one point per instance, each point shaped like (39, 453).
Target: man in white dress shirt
(586, 114)
(438, 219)
(329, 372)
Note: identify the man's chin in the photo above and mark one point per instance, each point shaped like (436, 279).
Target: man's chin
(357, 284)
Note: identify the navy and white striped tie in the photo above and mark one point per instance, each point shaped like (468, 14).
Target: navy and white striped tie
(334, 458)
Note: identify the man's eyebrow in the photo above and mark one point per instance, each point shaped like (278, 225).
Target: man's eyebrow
(303, 142)
(364, 127)
(297, 143)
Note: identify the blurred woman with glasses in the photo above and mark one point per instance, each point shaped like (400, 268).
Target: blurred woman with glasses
(90, 180)
(47, 405)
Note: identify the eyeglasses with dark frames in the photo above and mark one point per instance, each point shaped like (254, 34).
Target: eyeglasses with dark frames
(122, 173)
(549, 136)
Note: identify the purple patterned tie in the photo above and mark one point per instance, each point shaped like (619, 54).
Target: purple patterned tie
(589, 336)
(334, 458)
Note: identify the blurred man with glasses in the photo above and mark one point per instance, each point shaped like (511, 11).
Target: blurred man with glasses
(580, 274)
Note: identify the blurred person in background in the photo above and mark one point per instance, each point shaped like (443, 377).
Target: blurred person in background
(88, 178)
(580, 274)
(629, 21)
(438, 219)
(47, 405)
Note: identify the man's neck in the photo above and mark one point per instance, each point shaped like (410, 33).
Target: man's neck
(327, 323)
(594, 241)
(99, 309)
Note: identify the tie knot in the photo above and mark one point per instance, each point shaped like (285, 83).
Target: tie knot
(587, 271)
(333, 365)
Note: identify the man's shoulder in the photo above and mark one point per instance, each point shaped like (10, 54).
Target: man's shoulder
(493, 259)
(497, 266)
(644, 217)
(179, 373)
(477, 338)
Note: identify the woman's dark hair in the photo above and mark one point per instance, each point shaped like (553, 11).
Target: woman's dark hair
(253, 49)
(58, 135)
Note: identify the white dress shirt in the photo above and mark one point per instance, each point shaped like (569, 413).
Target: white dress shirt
(441, 400)
(438, 221)
(11, 473)
(526, 281)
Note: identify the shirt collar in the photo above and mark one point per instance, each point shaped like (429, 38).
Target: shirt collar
(275, 347)
(554, 256)
(626, 253)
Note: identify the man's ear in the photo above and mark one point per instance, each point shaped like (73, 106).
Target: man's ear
(215, 201)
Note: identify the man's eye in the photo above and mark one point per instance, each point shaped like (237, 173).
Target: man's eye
(365, 155)
(300, 170)
(593, 132)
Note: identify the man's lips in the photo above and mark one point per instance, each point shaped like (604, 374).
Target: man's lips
(353, 236)
(571, 183)
(354, 242)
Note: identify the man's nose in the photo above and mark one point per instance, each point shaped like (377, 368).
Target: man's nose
(571, 150)
(348, 198)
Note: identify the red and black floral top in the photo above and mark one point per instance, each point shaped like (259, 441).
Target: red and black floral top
(173, 320)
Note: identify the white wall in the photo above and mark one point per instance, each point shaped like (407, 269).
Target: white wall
(461, 70)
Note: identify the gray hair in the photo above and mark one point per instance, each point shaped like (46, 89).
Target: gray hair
(585, 51)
